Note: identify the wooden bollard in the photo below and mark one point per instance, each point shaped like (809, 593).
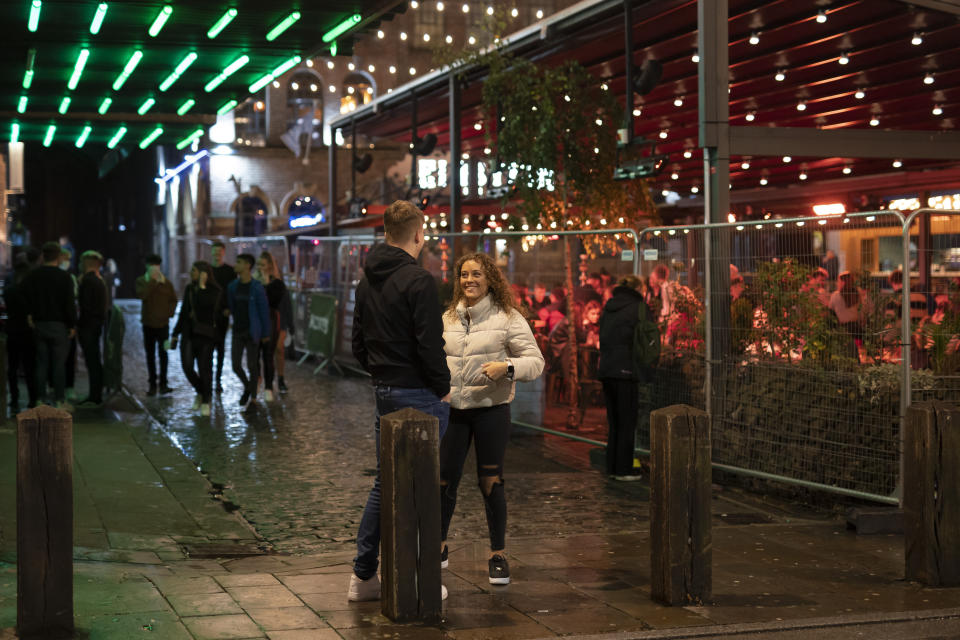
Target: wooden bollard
(44, 523)
(3, 378)
(410, 516)
(680, 542)
(931, 494)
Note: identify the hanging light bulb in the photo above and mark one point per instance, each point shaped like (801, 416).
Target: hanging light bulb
(937, 110)
(687, 154)
(471, 40)
(678, 101)
(440, 6)
(847, 170)
(917, 39)
(514, 12)
(745, 165)
(449, 39)
(695, 58)
(750, 116)
(802, 106)
(663, 134)
(763, 182)
(380, 34)
(928, 79)
(821, 16)
(844, 59)
(859, 94)
(803, 175)
(754, 38)
(897, 164)
(414, 4)
(874, 121)
(403, 35)
(465, 8)
(539, 14)
(787, 159)
(780, 75)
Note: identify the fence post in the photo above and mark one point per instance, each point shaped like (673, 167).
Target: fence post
(44, 523)
(931, 494)
(680, 493)
(410, 516)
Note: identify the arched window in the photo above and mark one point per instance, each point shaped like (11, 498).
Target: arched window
(359, 88)
(305, 100)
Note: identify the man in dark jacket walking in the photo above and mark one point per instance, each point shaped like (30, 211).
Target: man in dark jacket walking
(398, 339)
(247, 301)
(21, 344)
(224, 274)
(53, 316)
(159, 305)
(92, 299)
(618, 371)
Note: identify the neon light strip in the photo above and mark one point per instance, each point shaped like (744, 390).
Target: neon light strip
(48, 138)
(98, 18)
(160, 20)
(222, 23)
(117, 137)
(146, 106)
(127, 70)
(14, 132)
(279, 71)
(22, 104)
(64, 104)
(226, 107)
(78, 69)
(34, 20)
(188, 162)
(285, 24)
(82, 140)
(176, 73)
(186, 106)
(232, 68)
(190, 138)
(343, 27)
(150, 138)
(105, 105)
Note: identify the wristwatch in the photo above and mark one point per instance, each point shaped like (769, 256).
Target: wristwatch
(509, 370)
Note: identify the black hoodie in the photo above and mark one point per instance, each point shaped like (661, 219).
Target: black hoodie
(617, 324)
(397, 324)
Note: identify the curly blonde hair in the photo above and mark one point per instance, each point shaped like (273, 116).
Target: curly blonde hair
(498, 286)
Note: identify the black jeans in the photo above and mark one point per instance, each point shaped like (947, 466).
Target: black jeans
(489, 429)
(244, 343)
(89, 338)
(196, 356)
(153, 339)
(268, 351)
(52, 346)
(22, 354)
(220, 345)
(622, 407)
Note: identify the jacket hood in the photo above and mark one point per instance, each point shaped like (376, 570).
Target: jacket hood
(623, 297)
(383, 260)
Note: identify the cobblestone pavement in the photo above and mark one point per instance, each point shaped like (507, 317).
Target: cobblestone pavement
(299, 468)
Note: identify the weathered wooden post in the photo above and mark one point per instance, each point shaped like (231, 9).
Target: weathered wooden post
(680, 481)
(3, 378)
(931, 494)
(410, 516)
(44, 523)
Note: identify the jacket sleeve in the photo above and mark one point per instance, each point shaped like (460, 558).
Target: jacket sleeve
(70, 303)
(183, 318)
(171, 298)
(522, 349)
(141, 285)
(428, 334)
(358, 346)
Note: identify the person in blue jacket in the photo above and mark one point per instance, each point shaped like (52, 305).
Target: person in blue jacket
(247, 303)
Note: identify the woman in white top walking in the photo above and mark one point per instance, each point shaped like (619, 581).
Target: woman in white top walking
(489, 346)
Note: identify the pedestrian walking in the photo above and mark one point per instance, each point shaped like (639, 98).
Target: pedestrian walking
(201, 309)
(489, 347)
(247, 303)
(21, 343)
(53, 315)
(66, 264)
(620, 373)
(224, 274)
(92, 302)
(159, 305)
(269, 276)
(397, 338)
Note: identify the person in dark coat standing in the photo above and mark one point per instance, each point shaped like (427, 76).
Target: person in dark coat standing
(618, 372)
(202, 307)
(92, 298)
(21, 345)
(224, 274)
(159, 305)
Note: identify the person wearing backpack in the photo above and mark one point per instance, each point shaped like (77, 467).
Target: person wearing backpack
(629, 348)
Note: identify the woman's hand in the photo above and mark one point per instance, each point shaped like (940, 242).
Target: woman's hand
(494, 370)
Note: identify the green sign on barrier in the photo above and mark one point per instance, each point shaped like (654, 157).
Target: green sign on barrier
(321, 339)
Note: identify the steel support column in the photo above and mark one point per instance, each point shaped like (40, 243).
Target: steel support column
(332, 183)
(453, 181)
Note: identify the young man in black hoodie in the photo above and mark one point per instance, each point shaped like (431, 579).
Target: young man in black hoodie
(224, 274)
(92, 300)
(398, 339)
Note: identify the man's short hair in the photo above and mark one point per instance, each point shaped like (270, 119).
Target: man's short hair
(50, 251)
(217, 243)
(896, 277)
(153, 259)
(401, 221)
(630, 281)
(91, 255)
(33, 254)
(248, 258)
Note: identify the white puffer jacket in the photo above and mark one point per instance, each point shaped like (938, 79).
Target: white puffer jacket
(484, 333)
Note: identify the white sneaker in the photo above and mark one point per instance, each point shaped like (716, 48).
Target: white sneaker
(268, 396)
(197, 402)
(205, 409)
(363, 590)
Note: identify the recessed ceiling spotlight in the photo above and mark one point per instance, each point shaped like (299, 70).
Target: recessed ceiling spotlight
(763, 182)
(874, 121)
(687, 154)
(937, 110)
(897, 164)
(674, 176)
(787, 159)
(821, 16)
(745, 165)
(803, 175)
(663, 134)
(780, 76)
(917, 39)
(802, 106)
(636, 113)
(694, 189)
(750, 116)
(928, 79)
(754, 38)
(847, 170)
(844, 59)
(695, 58)
(678, 101)
(859, 94)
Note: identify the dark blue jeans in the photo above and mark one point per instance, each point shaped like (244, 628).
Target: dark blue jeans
(390, 399)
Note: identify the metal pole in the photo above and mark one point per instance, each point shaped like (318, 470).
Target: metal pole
(353, 159)
(413, 143)
(628, 54)
(455, 145)
(332, 183)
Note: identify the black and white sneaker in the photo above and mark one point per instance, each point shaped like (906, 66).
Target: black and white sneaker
(499, 570)
(444, 562)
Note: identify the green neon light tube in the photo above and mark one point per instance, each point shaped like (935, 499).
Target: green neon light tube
(226, 107)
(190, 138)
(150, 138)
(15, 132)
(333, 49)
(229, 71)
(344, 26)
(22, 104)
(147, 104)
(285, 24)
(105, 105)
(261, 83)
(160, 20)
(222, 23)
(27, 78)
(286, 66)
(127, 70)
(186, 106)
(117, 137)
(34, 20)
(48, 138)
(78, 69)
(64, 104)
(98, 18)
(82, 139)
(176, 73)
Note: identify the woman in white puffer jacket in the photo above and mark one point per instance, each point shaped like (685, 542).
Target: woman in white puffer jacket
(489, 347)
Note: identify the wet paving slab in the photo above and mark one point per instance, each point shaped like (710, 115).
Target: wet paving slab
(298, 470)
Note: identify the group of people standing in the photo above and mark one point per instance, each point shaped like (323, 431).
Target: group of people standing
(252, 292)
(50, 311)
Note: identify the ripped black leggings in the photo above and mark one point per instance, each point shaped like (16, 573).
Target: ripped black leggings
(489, 429)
